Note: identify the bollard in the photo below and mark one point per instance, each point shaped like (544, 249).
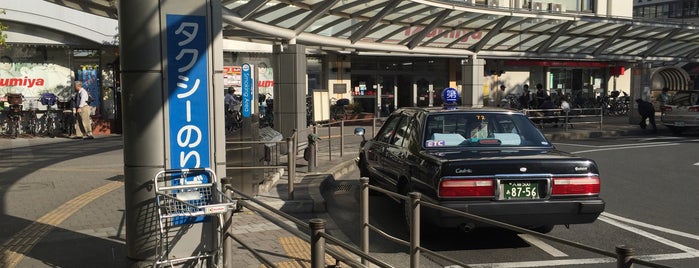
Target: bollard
(414, 229)
(624, 254)
(317, 243)
(309, 154)
(364, 217)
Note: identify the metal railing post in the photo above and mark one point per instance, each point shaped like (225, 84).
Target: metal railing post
(315, 148)
(624, 256)
(330, 144)
(227, 228)
(373, 126)
(342, 138)
(601, 118)
(317, 243)
(364, 217)
(414, 229)
(291, 169)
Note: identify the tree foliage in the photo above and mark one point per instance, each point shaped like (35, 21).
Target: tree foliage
(2, 28)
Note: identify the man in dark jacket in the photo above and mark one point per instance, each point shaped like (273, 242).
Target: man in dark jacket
(647, 111)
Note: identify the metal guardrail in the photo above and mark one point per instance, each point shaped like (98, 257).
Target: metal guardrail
(622, 253)
(267, 211)
(570, 118)
(290, 142)
(315, 232)
(334, 131)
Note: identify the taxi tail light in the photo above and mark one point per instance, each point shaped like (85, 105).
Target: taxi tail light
(694, 109)
(466, 188)
(576, 186)
(666, 109)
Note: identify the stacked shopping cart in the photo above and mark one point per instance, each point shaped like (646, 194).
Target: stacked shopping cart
(188, 196)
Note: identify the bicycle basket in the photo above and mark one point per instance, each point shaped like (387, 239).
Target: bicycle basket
(14, 98)
(63, 105)
(48, 99)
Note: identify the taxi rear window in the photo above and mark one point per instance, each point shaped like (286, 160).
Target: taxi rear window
(478, 129)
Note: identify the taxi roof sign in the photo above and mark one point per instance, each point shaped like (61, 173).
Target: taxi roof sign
(450, 96)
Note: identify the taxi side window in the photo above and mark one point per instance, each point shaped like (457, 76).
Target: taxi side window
(401, 131)
(387, 131)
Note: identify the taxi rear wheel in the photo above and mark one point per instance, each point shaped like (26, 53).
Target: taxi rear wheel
(676, 130)
(544, 229)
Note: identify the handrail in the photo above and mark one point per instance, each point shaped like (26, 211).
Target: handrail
(300, 224)
(623, 254)
(291, 159)
(564, 116)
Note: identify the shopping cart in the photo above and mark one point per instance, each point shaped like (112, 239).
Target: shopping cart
(185, 196)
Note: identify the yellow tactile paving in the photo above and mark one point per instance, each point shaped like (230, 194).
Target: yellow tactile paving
(300, 252)
(14, 250)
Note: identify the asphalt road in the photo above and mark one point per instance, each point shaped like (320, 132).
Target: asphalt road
(650, 184)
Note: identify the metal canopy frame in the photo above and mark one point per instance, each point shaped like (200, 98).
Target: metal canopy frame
(446, 29)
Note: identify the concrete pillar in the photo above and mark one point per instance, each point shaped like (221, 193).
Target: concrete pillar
(640, 88)
(472, 77)
(152, 116)
(289, 88)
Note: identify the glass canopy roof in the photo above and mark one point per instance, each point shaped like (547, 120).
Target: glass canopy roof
(449, 29)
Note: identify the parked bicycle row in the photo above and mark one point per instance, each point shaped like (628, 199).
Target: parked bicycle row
(16, 119)
(614, 104)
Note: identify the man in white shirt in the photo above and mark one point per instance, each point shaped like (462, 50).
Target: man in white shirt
(83, 127)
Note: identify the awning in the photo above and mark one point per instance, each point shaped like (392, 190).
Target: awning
(448, 29)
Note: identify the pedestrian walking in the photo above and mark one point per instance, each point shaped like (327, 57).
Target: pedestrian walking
(646, 110)
(83, 126)
(663, 97)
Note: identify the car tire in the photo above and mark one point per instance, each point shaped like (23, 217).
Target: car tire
(676, 130)
(363, 169)
(364, 172)
(427, 229)
(544, 229)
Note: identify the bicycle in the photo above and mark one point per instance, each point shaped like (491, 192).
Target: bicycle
(14, 116)
(337, 109)
(32, 122)
(49, 99)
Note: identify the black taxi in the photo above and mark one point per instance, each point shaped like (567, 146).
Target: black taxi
(490, 162)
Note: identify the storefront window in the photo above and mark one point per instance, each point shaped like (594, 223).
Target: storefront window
(31, 70)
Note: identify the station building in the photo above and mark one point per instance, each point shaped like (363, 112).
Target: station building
(379, 54)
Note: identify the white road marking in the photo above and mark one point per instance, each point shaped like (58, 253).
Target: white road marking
(650, 226)
(626, 147)
(532, 240)
(648, 235)
(617, 221)
(614, 145)
(571, 262)
(552, 263)
(578, 145)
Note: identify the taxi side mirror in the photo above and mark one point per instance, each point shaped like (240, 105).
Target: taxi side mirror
(360, 132)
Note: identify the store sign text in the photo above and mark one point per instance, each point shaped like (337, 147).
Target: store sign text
(453, 34)
(187, 92)
(21, 82)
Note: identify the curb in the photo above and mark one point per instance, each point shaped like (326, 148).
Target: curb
(334, 172)
(314, 203)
